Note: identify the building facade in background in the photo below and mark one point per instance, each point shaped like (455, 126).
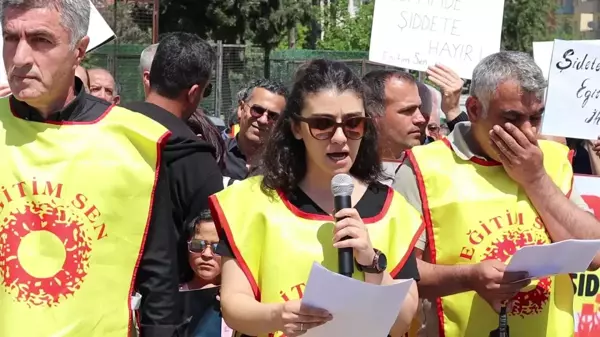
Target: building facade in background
(584, 15)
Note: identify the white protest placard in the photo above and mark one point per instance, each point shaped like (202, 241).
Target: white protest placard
(542, 53)
(414, 34)
(572, 102)
(98, 30)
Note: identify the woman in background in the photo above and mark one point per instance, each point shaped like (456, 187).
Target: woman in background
(276, 225)
(205, 129)
(201, 294)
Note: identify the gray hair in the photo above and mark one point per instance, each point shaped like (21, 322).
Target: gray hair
(147, 56)
(74, 14)
(506, 66)
(245, 94)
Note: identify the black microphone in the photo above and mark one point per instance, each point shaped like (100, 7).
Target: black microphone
(342, 186)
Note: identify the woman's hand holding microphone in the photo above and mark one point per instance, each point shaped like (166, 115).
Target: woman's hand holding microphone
(353, 227)
(295, 318)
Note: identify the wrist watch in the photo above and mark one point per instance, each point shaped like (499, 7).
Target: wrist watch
(378, 265)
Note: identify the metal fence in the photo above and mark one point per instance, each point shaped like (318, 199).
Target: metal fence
(236, 65)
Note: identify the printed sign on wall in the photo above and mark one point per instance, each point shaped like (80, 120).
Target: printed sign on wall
(414, 34)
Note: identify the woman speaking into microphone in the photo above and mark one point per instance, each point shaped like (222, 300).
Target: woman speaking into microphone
(275, 225)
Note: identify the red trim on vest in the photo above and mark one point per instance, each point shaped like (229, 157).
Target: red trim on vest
(428, 228)
(322, 217)
(411, 246)
(474, 159)
(162, 141)
(221, 223)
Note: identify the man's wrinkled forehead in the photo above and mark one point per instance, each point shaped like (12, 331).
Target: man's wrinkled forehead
(512, 100)
(11, 9)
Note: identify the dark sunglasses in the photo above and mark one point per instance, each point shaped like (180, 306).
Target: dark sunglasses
(324, 127)
(432, 127)
(199, 246)
(257, 111)
(208, 90)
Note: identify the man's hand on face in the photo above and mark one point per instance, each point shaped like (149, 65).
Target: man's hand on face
(519, 153)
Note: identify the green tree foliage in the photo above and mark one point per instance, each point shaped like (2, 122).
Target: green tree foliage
(526, 21)
(347, 33)
(211, 19)
(269, 22)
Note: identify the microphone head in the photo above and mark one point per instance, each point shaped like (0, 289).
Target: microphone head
(342, 184)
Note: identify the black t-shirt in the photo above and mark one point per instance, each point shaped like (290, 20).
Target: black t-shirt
(370, 205)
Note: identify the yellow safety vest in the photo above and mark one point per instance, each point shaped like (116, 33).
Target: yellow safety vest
(235, 128)
(475, 212)
(275, 243)
(75, 202)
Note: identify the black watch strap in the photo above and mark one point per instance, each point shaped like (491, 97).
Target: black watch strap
(375, 267)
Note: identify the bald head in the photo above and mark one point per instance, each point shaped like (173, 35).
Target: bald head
(82, 73)
(103, 85)
(146, 59)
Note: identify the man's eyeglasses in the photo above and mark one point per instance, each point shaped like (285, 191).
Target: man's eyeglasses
(324, 127)
(199, 246)
(257, 111)
(433, 127)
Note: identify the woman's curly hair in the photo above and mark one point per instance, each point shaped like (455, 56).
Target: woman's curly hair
(284, 157)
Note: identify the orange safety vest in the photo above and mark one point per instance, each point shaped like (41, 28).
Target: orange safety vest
(75, 201)
(474, 212)
(275, 243)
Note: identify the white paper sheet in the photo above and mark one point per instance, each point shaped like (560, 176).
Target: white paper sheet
(359, 309)
(565, 257)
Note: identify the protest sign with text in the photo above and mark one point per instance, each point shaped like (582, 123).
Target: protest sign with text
(572, 102)
(414, 34)
(99, 33)
(586, 304)
(542, 53)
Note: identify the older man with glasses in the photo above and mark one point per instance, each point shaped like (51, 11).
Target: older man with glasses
(259, 106)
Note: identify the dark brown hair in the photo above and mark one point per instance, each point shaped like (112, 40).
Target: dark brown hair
(284, 157)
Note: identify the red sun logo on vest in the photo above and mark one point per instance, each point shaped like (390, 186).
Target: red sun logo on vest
(45, 254)
(529, 302)
(594, 203)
